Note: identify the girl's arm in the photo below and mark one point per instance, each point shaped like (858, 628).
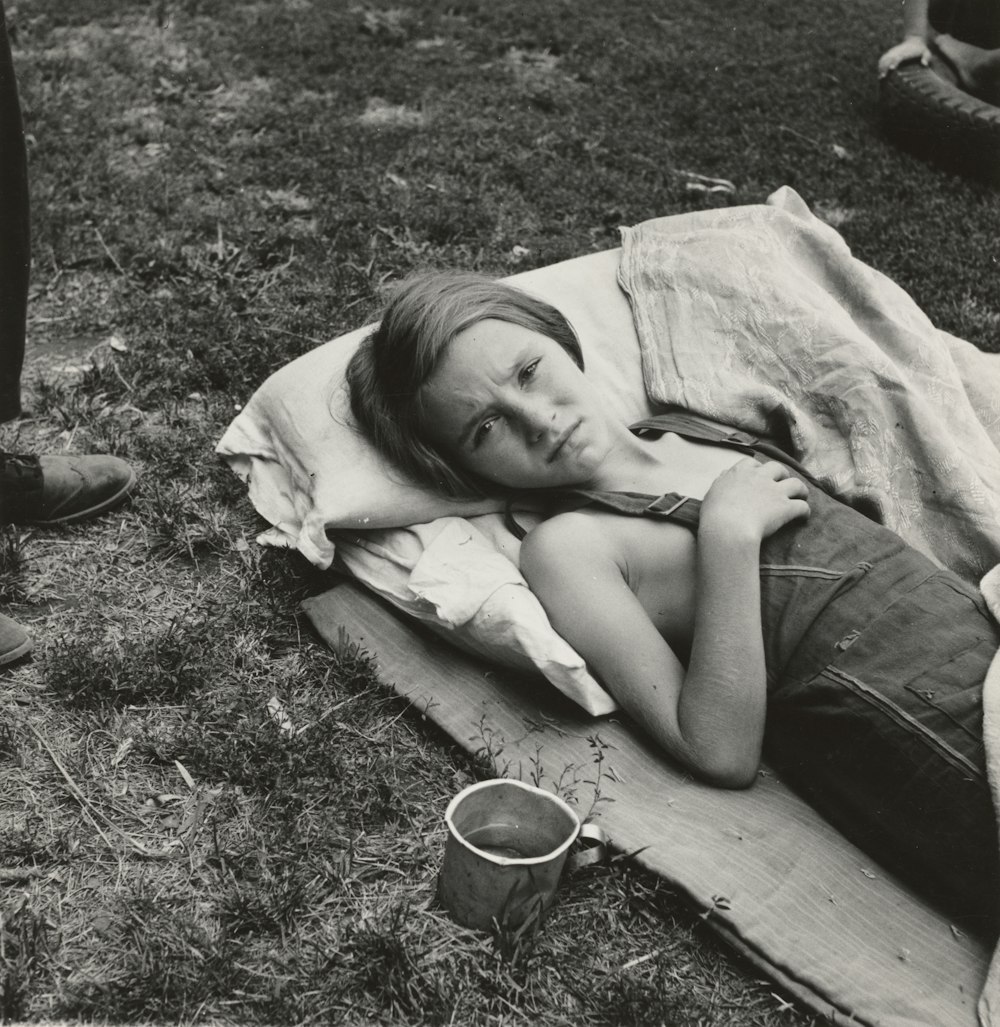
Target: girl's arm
(710, 716)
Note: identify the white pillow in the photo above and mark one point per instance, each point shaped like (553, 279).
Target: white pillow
(311, 473)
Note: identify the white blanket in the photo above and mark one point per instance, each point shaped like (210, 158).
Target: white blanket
(760, 317)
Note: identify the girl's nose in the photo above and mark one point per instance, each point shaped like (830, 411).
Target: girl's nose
(539, 420)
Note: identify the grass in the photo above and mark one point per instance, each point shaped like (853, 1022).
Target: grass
(206, 816)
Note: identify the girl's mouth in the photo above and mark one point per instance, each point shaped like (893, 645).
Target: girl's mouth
(561, 442)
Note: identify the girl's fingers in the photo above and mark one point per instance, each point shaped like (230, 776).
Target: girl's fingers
(775, 470)
(795, 488)
(792, 486)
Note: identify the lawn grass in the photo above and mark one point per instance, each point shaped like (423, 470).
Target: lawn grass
(218, 186)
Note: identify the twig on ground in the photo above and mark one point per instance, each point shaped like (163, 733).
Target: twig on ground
(91, 811)
(111, 256)
(15, 875)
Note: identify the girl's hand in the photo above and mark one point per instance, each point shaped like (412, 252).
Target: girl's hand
(911, 49)
(753, 500)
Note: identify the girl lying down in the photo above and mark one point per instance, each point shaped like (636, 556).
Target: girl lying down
(731, 606)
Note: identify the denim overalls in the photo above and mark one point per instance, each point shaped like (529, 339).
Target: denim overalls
(875, 665)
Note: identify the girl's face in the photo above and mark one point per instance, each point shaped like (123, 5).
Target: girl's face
(510, 405)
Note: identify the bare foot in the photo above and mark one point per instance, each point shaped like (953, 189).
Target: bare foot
(978, 70)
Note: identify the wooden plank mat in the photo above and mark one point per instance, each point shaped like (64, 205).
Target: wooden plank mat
(808, 908)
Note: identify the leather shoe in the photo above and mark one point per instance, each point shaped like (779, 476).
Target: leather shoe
(14, 640)
(60, 489)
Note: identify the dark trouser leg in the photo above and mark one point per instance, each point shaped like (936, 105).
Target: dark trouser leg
(887, 743)
(972, 21)
(15, 239)
(917, 814)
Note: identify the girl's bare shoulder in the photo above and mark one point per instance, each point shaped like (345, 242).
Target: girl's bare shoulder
(565, 533)
(564, 557)
(633, 545)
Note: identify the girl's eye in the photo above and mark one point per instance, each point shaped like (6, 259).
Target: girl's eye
(482, 431)
(528, 372)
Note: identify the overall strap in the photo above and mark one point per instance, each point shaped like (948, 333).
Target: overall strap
(671, 506)
(701, 429)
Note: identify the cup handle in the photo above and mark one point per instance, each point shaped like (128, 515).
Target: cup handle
(591, 847)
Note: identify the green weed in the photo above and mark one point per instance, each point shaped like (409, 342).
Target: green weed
(170, 963)
(13, 563)
(389, 970)
(179, 521)
(24, 950)
(158, 664)
(9, 750)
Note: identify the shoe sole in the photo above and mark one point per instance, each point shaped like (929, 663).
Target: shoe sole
(935, 118)
(15, 654)
(93, 511)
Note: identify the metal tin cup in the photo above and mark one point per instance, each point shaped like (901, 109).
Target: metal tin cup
(507, 843)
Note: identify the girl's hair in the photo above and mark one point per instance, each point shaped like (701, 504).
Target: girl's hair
(392, 364)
